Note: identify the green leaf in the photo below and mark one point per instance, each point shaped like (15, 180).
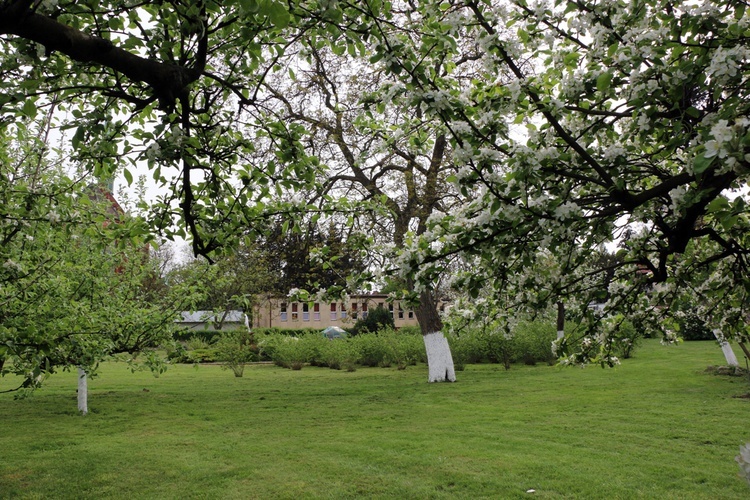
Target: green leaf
(278, 15)
(128, 176)
(603, 81)
(78, 137)
(718, 204)
(739, 12)
(249, 5)
(29, 108)
(701, 163)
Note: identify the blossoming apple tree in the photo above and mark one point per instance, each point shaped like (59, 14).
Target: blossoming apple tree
(590, 119)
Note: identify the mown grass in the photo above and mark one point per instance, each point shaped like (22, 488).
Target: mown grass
(655, 427)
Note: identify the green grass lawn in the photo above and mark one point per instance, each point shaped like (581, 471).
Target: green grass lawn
(655, 427)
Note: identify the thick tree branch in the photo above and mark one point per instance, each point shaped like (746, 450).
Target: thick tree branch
(167, 80)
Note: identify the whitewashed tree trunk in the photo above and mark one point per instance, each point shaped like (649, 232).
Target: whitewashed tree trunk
(83, 392)
(439, 359)
(728, 352)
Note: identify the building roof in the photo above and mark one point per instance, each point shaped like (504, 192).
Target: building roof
(211, 316)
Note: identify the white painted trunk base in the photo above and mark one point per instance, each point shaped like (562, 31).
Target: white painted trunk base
(439, 359)
(728, 352)
(83, 392)
(560, 334)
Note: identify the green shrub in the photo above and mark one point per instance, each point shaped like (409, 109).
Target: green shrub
(286, 332)
(178, 352)
(377, 319)
(373, 350)
(404, 349)
(291, 352)
(468, 347)
(208, 336)
(410, 330)
(459, 351)
(499, 347)
(413, 344)
(198, 342)
(626, 339)
(314, 344)
(236, 349)
(200, 356)
(340, 354)
(532, 342)
(693, 328)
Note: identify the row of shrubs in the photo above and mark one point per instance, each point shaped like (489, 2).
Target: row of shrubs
(530, 343)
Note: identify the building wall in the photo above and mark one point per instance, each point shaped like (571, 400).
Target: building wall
(275, 312)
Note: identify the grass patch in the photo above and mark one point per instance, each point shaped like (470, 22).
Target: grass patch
(655, 427)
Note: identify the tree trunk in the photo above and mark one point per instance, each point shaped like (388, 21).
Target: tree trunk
(741, 344)
(728, 352)
(439, 359)
(560, 320)
(83, 392)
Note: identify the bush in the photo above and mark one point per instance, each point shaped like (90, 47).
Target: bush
(289, 352)
(208, 336)
(200, 356)
(626, 339)
(236, 349)
(405, 349)
(532, 342)
(373, 350)
(340, 353)
(459, 351)
(377, 319)
(194, 343)
(179, 353)
(315, 344)
(499, 347)
(693, 328)
(286, 332)
(410, 330)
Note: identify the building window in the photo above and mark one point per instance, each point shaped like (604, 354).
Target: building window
(364, 310)
(316, 312)
(295, 314)
(305, 312)
(390, 310)
(354, 310)
(333, 312)
(400, 312)
(343, 311)
(411, 314)
(283, 311)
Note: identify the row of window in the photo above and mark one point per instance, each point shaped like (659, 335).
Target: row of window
(336, 310)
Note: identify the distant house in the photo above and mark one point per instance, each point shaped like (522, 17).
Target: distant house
(210, 320)
(280, 312)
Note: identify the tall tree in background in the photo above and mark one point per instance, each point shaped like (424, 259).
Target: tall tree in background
(378, 148)
(315, 256)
